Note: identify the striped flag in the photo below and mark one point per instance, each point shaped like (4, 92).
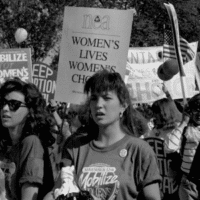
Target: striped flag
(169, 51)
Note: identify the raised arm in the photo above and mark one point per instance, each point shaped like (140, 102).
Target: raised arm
(173, 139)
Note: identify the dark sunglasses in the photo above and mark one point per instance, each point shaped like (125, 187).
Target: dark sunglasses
(13, 104)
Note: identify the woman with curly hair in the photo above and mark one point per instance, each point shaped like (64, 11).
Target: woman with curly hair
(26, 128)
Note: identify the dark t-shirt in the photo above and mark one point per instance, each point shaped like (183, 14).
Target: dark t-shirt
(26, 162)
(118, 172)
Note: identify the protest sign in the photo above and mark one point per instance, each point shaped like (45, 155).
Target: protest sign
(15, 63)
(44, 78)
(168, 185)
(143, 82)
(142, 55)
(141, 77)
(92, 39)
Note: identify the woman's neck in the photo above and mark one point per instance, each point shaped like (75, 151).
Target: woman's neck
(15, 134)
(109, 135)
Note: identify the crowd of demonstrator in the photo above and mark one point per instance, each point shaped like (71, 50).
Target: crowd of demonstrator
(103, 139)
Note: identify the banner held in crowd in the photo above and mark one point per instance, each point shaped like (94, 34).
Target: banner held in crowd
(141, 74)
(142, 79)
(92, 39)
(15, 63)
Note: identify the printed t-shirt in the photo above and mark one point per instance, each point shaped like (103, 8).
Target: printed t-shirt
(23, 163)
(119, 171)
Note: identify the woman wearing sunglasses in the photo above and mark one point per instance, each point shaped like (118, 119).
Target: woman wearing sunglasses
(25, 128)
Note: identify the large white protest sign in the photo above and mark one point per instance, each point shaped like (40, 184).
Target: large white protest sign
(92, 39)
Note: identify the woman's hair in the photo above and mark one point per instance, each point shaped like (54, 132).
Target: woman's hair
(105, 81)
(192, 105)
(194, 102)
(166, 113)
(39, 121)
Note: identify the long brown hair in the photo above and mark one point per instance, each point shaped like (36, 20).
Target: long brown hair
(166, 113)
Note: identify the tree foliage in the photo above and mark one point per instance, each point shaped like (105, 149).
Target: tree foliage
(43, 21)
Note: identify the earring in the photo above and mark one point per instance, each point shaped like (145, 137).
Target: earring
(120, 114)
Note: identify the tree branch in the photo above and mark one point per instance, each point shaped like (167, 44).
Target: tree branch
(102, 3)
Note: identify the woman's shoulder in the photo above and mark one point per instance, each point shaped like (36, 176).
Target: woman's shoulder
(31, 146)
(140, 148)
(77, 140)
(32, 140)
(138, 143)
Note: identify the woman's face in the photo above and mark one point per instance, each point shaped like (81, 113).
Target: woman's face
(105, 108)
(196, 116)
(13, 113)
